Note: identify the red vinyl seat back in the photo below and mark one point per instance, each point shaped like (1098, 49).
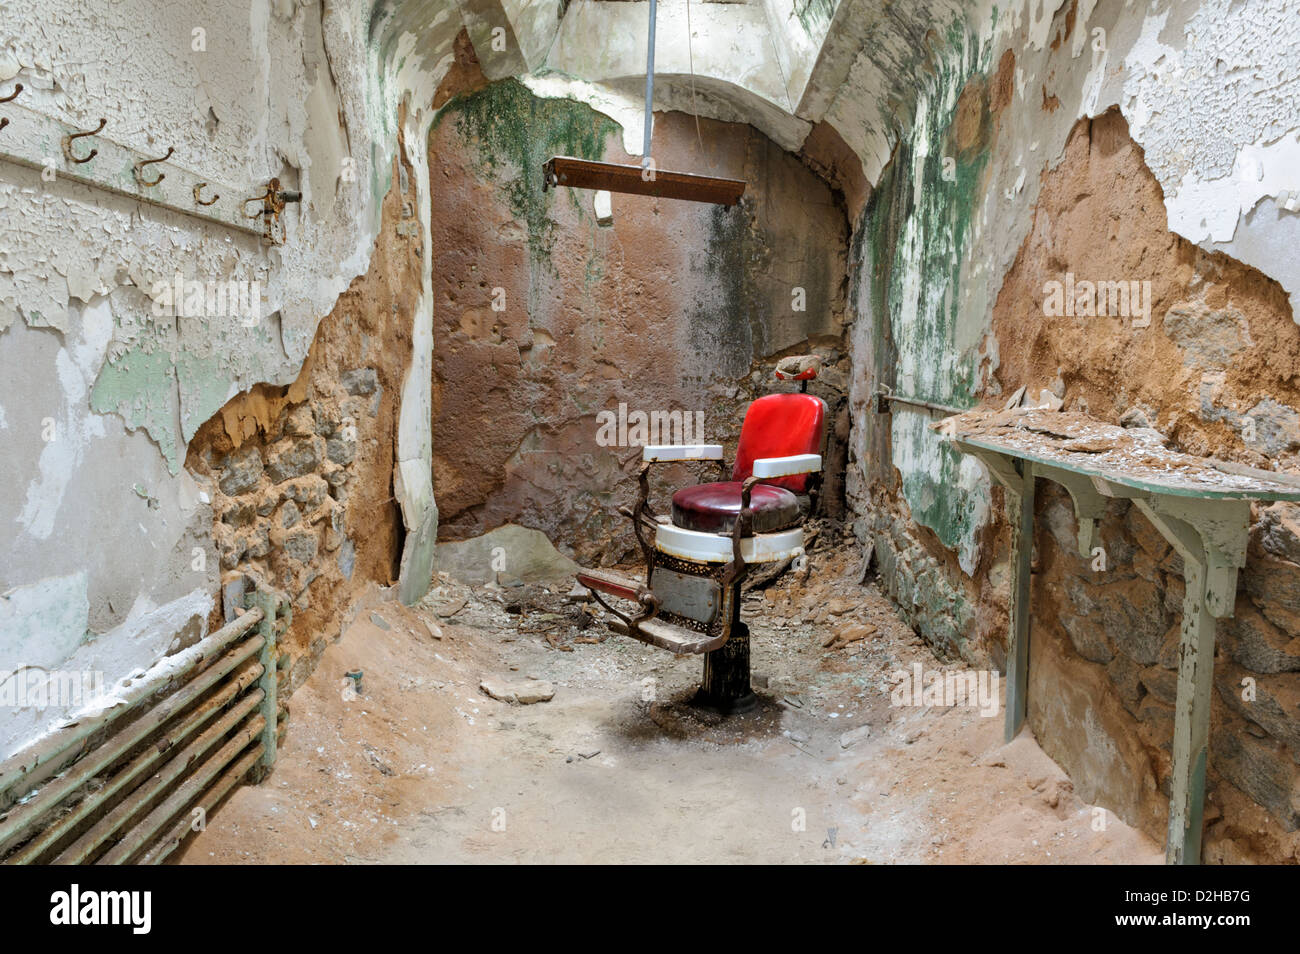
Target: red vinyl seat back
(780, 425)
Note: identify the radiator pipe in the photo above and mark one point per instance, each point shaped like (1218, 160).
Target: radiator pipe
(211, 798)
(128, 811)
(22, 818)
(151, 756)
(139, 836)
(23, 765)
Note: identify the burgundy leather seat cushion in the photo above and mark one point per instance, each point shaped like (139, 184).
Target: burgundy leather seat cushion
(712, 508)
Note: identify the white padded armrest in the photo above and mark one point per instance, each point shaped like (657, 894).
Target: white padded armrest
(766, 467)
(669, 452)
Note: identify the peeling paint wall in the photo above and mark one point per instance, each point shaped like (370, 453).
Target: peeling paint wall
(1217, 371)
(938, 124)
(102, 387)
(301, 477)
(998, 95)
(104, 393)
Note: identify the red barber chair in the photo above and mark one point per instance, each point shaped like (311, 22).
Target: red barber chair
(698, 557)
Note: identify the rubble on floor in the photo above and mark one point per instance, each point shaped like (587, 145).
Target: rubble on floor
(423, 766)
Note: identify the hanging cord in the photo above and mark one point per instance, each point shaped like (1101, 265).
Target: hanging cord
(690, 58)
(776, 55)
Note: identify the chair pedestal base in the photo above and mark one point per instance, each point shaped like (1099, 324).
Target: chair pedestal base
(725, 688)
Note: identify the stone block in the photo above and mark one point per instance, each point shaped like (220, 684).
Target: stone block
(1259, 768)
(240, 471)
(292, 457)
(301, 544)
(360, 381)
(1257, 644)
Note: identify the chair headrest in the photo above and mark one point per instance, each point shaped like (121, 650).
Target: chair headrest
(799, 367)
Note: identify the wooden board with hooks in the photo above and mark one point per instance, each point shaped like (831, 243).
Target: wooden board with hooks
(40, 142)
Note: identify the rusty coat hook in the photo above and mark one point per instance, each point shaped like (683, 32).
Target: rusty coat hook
(18, 88)
(67, 143)
(139, 168)
(198, 187)
(4, 121)
(273, 201)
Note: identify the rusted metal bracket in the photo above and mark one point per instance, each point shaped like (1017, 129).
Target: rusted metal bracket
(1209, 529)
(884, 398)
(138, 168)
(273, 200)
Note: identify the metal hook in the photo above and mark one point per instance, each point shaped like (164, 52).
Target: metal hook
(266, 198)
(4, 121)
(67, 143)
(139, 168)
(18, 88)
(199, 188)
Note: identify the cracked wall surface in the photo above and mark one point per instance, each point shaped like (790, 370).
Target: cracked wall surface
(1050, 182)
(301, 477)
(1218, 373)
(103, 387)
(939, 126)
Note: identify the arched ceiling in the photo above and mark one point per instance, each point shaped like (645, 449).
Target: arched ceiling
(783, 66)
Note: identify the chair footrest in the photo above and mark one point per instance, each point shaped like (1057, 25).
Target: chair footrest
(665, 635)
(607, 581)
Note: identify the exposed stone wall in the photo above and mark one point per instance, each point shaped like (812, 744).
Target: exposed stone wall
(947, 297)
(106, 554)
(1218, 372)
(1104, 676)
(300, 476)
(675, 307)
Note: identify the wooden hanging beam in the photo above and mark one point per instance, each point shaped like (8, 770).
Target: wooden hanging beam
(612, 177)
(641, 179)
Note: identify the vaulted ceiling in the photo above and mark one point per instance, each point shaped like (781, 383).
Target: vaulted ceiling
(783, 66)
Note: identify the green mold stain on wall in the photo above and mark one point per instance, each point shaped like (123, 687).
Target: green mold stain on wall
(919, 225)
(514, 133)
(815, 15)
(141, 387)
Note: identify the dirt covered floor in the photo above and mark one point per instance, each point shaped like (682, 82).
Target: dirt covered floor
(424, 766)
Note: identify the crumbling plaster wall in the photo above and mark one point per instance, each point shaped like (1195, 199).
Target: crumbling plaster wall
(301, 477)
(313, 93)
(107, 540)
(1219, 372)
(295, 88)
(108, 552)
(1214, 115)
(933, 250)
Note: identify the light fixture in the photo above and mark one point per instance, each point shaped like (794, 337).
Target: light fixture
(644, 179)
